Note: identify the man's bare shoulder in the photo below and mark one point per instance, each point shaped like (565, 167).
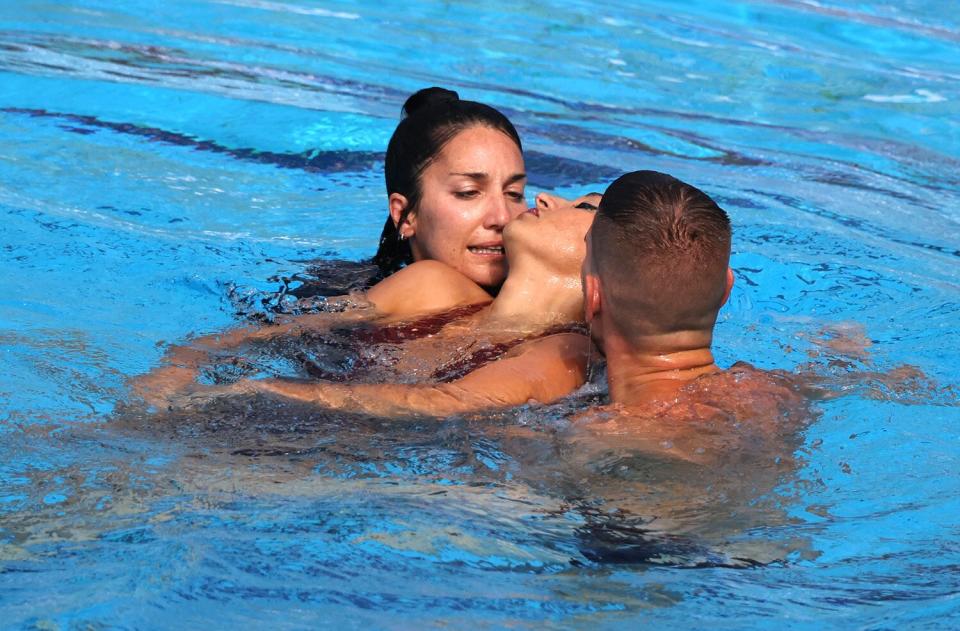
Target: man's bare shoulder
(746, 394)
(424, 287)
(710, 418)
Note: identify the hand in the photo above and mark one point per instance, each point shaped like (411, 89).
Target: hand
(159, 387)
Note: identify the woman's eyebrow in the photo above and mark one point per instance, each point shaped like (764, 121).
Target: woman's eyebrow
(481, 176)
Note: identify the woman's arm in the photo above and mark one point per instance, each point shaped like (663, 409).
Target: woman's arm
(417, 290)
(542, 370)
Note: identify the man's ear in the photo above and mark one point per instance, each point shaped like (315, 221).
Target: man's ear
(398, 203)
(726, 294)
(591, 297)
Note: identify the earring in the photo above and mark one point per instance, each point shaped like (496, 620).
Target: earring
(401, 237)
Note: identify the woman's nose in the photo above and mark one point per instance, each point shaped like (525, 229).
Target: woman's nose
(546, 200)
(498, 214)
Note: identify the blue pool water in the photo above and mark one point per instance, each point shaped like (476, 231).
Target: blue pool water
(161, 163)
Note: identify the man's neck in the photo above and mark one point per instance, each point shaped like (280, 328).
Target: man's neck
(533, 298)
(657, 368)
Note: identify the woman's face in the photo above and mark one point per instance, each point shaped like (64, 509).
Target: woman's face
(468, 194)
(553, 232)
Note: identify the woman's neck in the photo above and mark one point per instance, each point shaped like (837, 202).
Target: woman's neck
(533, 298)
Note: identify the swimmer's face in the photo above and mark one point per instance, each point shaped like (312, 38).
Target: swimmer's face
(590, 201)
(553, 231)
(468, 194)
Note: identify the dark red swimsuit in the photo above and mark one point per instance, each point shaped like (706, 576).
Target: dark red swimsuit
(366, 336)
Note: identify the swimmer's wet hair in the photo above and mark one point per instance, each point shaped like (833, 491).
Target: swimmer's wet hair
(431, 118)
(661, 246)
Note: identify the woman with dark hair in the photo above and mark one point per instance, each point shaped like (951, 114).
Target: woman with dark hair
(455, 176)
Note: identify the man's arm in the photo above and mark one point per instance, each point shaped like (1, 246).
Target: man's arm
(542, 370)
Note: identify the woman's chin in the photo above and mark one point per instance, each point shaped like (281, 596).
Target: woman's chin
(487, 274)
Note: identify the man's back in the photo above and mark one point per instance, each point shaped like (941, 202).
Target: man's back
(709, 419)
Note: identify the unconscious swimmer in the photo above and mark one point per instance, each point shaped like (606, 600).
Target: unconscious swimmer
(526, 329)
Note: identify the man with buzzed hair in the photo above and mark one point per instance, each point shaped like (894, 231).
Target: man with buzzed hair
(655, 276)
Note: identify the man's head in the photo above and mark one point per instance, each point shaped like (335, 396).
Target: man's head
(657, 260)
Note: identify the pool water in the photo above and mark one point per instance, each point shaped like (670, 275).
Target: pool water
(166, 168)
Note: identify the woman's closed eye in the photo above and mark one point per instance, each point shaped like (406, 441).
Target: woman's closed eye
(590, 201)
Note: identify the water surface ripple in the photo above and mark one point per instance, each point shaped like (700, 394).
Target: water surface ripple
(172, 169)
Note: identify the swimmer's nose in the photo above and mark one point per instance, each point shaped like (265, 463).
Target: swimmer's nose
(548, 201)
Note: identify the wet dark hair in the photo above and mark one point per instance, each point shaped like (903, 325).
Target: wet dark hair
(431, 118)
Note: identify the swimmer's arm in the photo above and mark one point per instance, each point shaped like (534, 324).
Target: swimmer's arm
(237, 337)
(180, 365)
(542, 370)
(419, 289)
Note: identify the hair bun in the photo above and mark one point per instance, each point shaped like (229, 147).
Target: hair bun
(428, 97)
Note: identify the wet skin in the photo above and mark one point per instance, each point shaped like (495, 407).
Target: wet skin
(546, 249)
(473, 188)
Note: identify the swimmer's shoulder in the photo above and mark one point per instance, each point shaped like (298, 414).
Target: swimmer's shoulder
(554, 365)
(424, 287)
(571, 345)
(545, 368)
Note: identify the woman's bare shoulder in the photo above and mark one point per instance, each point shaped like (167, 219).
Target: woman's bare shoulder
(424, 287)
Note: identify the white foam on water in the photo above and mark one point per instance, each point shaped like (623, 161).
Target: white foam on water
(290, 8)
(918, 96)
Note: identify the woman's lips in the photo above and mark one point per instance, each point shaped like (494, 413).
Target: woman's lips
(487, 249)
(533, 210)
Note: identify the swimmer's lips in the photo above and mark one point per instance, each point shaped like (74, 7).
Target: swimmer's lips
(490, 249)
